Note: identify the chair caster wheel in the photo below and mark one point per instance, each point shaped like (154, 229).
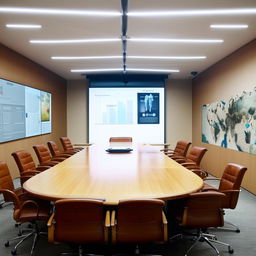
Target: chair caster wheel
(238, 231)
(16, 225)
(7, 244)
(20, 234)
(13, 252)
(230, 250)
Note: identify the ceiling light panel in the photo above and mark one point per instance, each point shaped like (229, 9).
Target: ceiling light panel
(49, 11)
(85, 57)
(23, 26)
(174, 40)
(229, 26)
(96, 70)
(75, 41)
(153, 70)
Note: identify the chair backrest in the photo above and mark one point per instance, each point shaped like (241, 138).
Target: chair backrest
(42, 153)
(66, 144)
(79, 220)
(140, 221)
(231, 180)
(53, 148)
(181, 148)
(120, 139)
(195, 155)
(24, 161)
(203, 209)
(5, 177)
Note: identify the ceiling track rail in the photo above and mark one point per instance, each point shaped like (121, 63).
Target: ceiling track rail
(124, 24)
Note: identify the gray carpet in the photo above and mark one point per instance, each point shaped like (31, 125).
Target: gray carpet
(243, 243)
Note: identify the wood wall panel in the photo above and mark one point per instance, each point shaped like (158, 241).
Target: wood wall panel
(230, 76)
(17, 68)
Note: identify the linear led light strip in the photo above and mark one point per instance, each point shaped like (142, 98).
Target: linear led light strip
(192, 12)
(229, 26)
(153, 40)
(22, 26)
(58, 11)
(132, 13)
(128, 57)
(128, 69)
(69, 41)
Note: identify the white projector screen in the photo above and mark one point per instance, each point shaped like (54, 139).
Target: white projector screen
(126, 112)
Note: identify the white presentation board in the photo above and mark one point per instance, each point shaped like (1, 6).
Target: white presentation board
(126, 112)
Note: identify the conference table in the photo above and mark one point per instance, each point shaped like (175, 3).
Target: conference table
(145, 172)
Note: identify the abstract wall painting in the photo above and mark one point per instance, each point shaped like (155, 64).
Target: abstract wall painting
(232, 123)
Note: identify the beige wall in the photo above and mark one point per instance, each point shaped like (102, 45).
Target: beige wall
(227, 78)
(17, 68)
(77, 110)
(178, 110)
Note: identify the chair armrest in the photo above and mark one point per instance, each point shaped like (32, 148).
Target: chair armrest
(51, 227)
(82, 144)
(12, 197)
(230, 191)
(42, 168)
(57, 159)
(178, 159)
(189, 165)
(113, 226)
(201, 173)
(107, 226)
(30, 172)
(167, 150)
(165, 223)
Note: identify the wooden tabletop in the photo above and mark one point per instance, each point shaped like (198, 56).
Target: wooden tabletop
(93, 173)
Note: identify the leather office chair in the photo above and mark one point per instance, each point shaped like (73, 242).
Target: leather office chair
(44, 156)
(193, 159)
(79, 221)
(55, 152)
(7, 183)
(25, 209)
(230, 184)
(67, 145)
(203, 210)
(26, 164)
(181, 149)
(139, 221)
(120, 139)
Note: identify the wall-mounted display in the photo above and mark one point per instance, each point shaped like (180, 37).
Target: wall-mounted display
(24, 111)
(231, 123)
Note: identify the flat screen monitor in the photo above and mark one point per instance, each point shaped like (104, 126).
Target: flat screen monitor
(24, 111)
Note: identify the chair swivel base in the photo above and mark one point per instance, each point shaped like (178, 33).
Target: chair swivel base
(209, 239)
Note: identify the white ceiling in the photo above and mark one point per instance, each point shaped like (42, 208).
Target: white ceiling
(77, 27)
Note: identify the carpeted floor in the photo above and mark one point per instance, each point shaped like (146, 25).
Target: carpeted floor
(243, 243)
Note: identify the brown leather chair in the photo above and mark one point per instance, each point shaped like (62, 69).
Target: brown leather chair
(203, 210)
(181, 149)
(193, 159)
(26, 163)
(25, 209)
(7, 183)
(120, 139)
(44, 156)
(55, 152)
(230, 184)
(79, 221)
(139, 221)
(67, 145)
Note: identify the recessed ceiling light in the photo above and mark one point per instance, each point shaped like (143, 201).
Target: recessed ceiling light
(192, 12)
(22, 26)
(229, 26)
(69, 41)
(85, 57)
(168, 57)
(96, 70)
(58, 11)
(175, 40)
(153, 70)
